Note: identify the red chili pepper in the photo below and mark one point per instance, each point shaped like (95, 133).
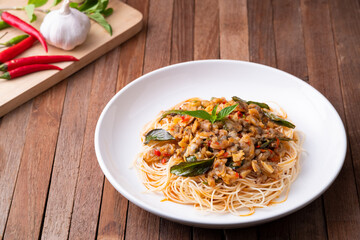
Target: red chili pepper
(226, 154)
(237, 175)
(25, 27)
(166, 155)
(257, 146)
(277, 142)
(21, 71)
(15, 50)
(15, 63)
(164, 160)
(157, 152)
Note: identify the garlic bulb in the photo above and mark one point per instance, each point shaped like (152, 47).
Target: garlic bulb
(66, 27)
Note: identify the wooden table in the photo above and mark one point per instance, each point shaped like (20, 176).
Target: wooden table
(51, 186)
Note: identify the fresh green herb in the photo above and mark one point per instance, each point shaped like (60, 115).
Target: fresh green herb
(278, 120)
(230, 164)
(99, 18)
(262, 105)
(158, 134)
(191, 169)
(29, 9)
(203, 114)
(37, 3)
(225, 112)
(191, 159)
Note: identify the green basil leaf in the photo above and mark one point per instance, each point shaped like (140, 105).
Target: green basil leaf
(278, 120)
(98, 7)
(99, 18)
(213, 114)
(37, 3)
(107, 12)
(198, 114)
(191, 169)
(262, 105)
(29, 9)
(191, 159)
(56, 2)
(158, 134)
(225, 112)
(86, 5)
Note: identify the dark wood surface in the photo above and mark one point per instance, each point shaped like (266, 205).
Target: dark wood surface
(51, 186)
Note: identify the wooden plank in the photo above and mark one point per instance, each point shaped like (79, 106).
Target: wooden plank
(283, 20)
(32, 184)
(346, 30)
(12, 139)
(125, 22)
(289, 41)
(342, 204)
(68, 152)
(142, 224)
(181, 51)
(248, 233)
(206, 46)
(261, 32)
(182, 48)
(234, 35)
(89, 184)
(206, 30)
(207, 234)
(112, 219)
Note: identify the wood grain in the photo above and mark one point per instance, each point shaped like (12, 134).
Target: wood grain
(342, 215)
(67, 158)
(12, 139)
(89, 188)
(282, 18)
(181, 51)
(113, 215)
(234, 35)
(206, 30)
(261, 32)
(125, 22)
(346, 30)
(142, 224)
(289, 41)
(32, 184)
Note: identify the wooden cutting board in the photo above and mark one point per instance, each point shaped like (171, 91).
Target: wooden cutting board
(125, 22)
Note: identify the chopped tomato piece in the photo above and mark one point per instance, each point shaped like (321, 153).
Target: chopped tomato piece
(157, 152)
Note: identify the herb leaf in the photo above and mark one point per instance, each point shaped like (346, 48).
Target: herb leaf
(262, 105)
(37, 3)
(225, 112)
(203, 114)
(158, 134)
(278, 120)
(99, 18)
(191, 169)
(285, 139)
(198, 113)
(29, 9)
(191, 159)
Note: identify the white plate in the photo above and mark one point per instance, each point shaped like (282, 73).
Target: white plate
(117, 136)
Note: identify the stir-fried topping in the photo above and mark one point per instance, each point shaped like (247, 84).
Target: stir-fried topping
(225, 140)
